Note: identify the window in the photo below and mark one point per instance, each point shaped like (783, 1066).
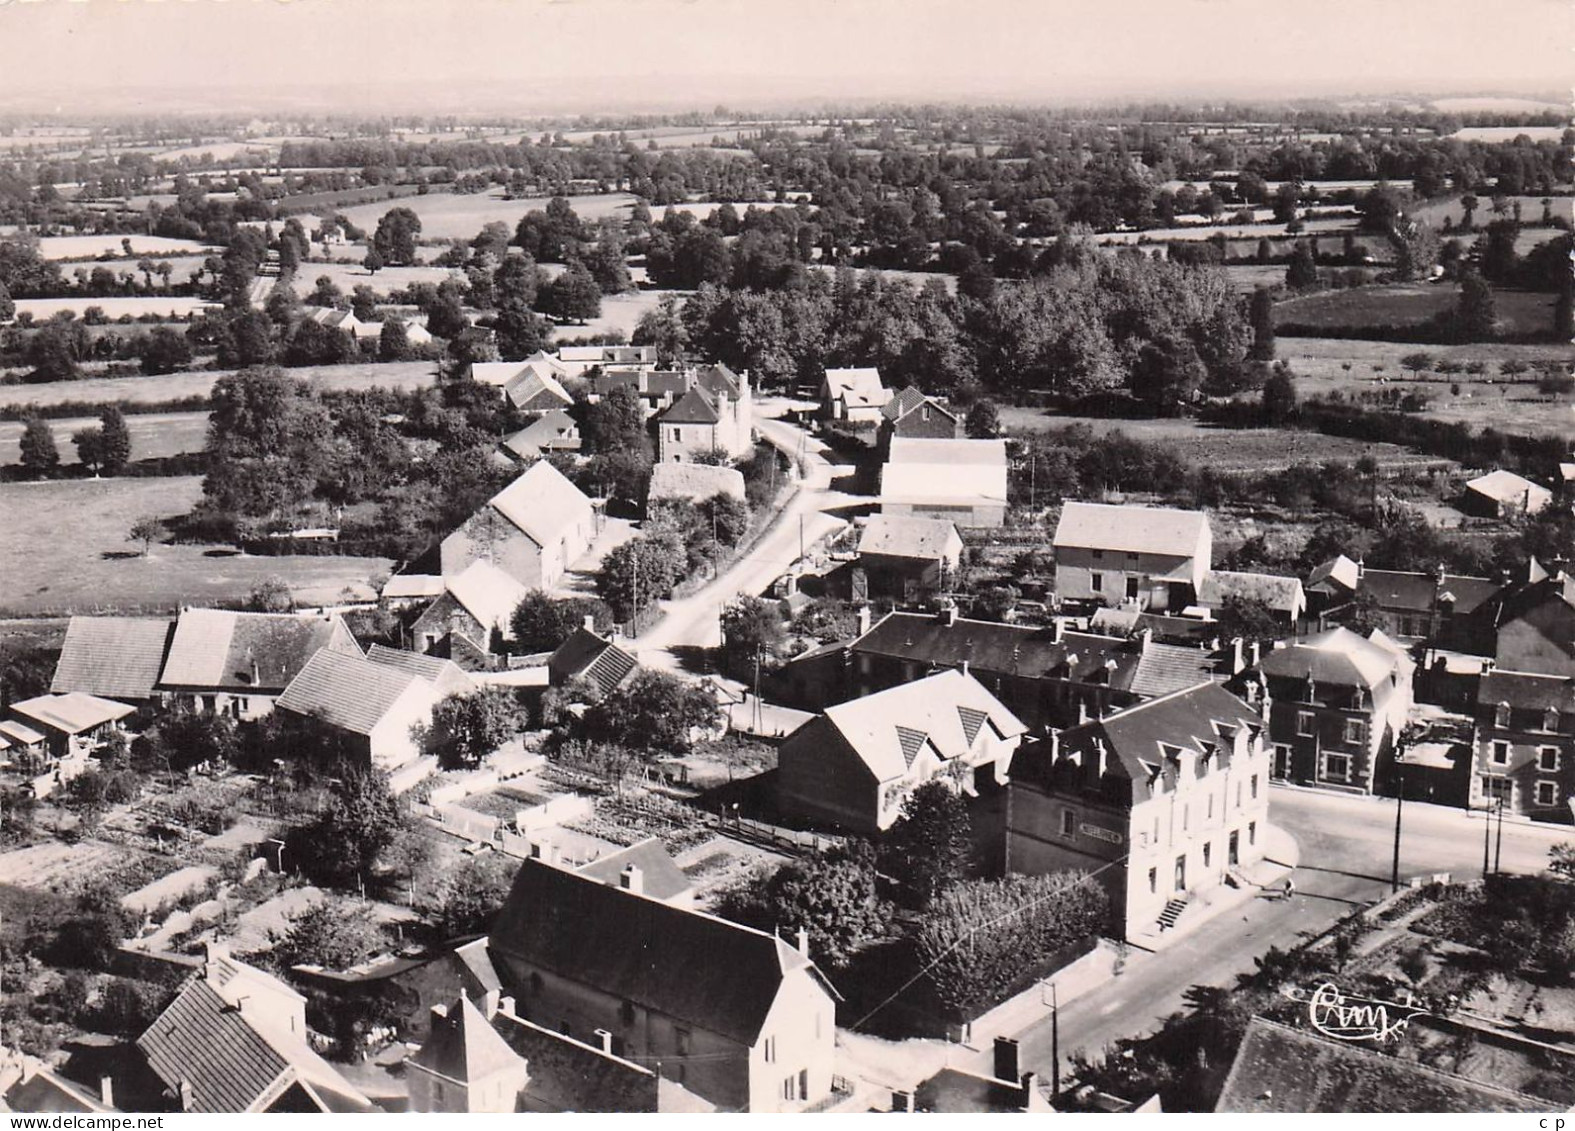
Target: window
(1238, 794)
(1306, 724)
(1211, 807)
(1099, 555)
(1355, 731)
(1096, 582)
(1208, 851)
(1255, 787)
(1497, 789)
(1153, 880)
(626, 1013)
(1501, 753)
(681, 1040)
(789, 1088)
(1548, 759)
(1068, 822)
(1550, 719)
(563, 1026)
(1501, 715)
(1186, 817)
(1335, 767)
(771, 1051)
(1547, 793)
(1132, 559)
(1156, 830)
(1132, 589)
(1252, 832)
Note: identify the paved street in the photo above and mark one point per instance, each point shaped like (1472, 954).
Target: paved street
(1346, 845)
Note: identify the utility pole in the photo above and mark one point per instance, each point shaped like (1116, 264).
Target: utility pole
(1055, 1042)
(1487, 831)
(1394, 873)
(1498, 837)
(801, 537)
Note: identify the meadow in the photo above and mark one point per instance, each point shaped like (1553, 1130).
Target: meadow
(67, 552)
(1408, 304)
(451, 216)
(137, 306)
(91, 247)
(155, 435)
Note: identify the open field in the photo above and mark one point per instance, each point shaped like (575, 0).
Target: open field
(1224, 449)
(153, 435)
(1493, 134)
(350, 274)
(620, 313)
(89, 247)
(1248, 278)
(1435, 211)
(1229, 231)
(66, 552)
(446, 216)
(168, 306)
(1409, 304)
(174, 386)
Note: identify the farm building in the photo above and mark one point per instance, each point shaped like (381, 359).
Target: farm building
(716, 414)
(476, 607)
(114, 657)
(72, 724)
(379, 708)
(1503, 494)
(910, 413)
(903, 557)
(553, 431)
(464, 1066)
(575, 360)
(960, 480)
(695, 482)
(1451, 610)
(406, 589)
(529, 386)
(446, 677)
(240, 663)
(598, 664)
(1154, 557)
(646, 867)
(853, 395)
(533, 529)
(1281, 594)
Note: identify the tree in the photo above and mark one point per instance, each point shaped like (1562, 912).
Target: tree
(1561, 860)
(247, 340)
(89, 443)
(653, 712)
(349, 839)
(1564, 312)
(1303, 270)
(1417, 363)
(664, 329)
(1249, 619)
(572, 297)
(393, 341)
(1279, 395)
(335, 934)
(640, 572)
(616, 422)
(115, 453)
(325, 293)
(395, 239)
(166, 351)
(1262, 318)
(1167, 374)
(271, 595)
(927, 850)
(1476, 318)
(467, 728)
(55, 351)
(40, 457)
(147, 530)
(7, 304)
(751, 632)
(363, 303)
(373, 261)
(983, 422)
(832, 896)
(541, 622)
(184, 738)
(473, 893)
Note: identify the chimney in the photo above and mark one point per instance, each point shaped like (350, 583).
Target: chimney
(1030, 1083)
(1361, 568)
(1006, 1058)
(1238, 662)
(106, 1090)
(489, 1004)
(506, 1004)
(604, 1039)
(864, 619)
(901, 1101)
(590, 622)
(1058, 629)
(964, 668)
(948, 615)
(185, 1095)
(632, 878)
(803, 941)
(1255, 651)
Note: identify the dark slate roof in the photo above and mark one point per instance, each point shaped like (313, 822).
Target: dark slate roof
(464, 1047)
(694, 407)
(955, 1092)
(1414, 592)
(718, 379)
(661, 878)
(202, 1040)
(347, 691)
(987, 646)
(214, 648)
(595, 658)
(1279, 1069)
(903, 401)
(1527, 691)
(1163, 668)
(1514, 602)
(115, 657)
(692, 967)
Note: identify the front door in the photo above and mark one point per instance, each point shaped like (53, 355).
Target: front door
(1235, 849)
(1132, 589)
(1282, 763)
(1181, 873)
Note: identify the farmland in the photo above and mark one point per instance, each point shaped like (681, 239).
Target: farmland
(450, 216)
(138, 306)
(66, 552)
(91, 247)
(153, 435)
(1521, 312)
(349, 275)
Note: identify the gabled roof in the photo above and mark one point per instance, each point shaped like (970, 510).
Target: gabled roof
(694, 968)
(435, 671)
(553, 431)
(594, 658)
(932, 451)
(1131, 529)
(464, 1047)
(117, 657)
(660, 877)
(543, 504)
(1163, 668)
(40, 1090)
(1415, 592)
(19, 733)
(1340, 570)
(214, 648)
(1506, 487)
(1527, 691)
(888, 729)
(403, 585)
(1338, 656)
(717, 379)
(1282, 594)
(71, 713)
(694, 407)
(989, 646)
(901, 536)
(1280, 1069)
(857, 387)
(908, 399)
(695, 481)
(349, 692)
(535, 389)
(487, 593)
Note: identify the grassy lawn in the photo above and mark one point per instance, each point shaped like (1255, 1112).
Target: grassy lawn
(173, 386)
(1409, 304)
(66, 552)
(153, 435)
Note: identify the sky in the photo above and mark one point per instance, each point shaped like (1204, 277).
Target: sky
(555, 55)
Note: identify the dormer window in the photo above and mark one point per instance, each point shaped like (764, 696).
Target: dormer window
(1550, 719)
(1501, 715)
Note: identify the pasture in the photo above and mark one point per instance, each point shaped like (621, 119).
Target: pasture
(1408, 304)
(451, 216)
(1435, 211)
(137, 306)
(91, 247)
(349, 275)
(175, 386)
(1229, 231)
(155, 435)
(67, 553)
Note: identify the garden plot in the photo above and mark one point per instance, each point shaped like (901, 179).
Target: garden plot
(55, 864)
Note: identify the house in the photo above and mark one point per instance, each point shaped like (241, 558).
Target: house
(1445, 609)
(957, 1091)
(30, 1086)
(416, 333)
(553, 431)
(477, 607)
(530, 386)
(715, 414)
(23, 747)
(1338, 704)
(335, 319)
(1046, 676)
(1283, 595)
(904, 557)
(113, 657)
(961, 480)
(1524, 744)
(695, 482)
(1533, 624)
(382, 710)
(735, 1015)
(406, 589)
(644, 866)
(599, 665)
(1281, 1069)
(239, 663)
(575, 360)
(912, 414)
(854, 765)
(1160, 801)
(656, 389)
(1503, 494)
(444, 676)
(464, 1066)
(1154, 557)
(853, 395)
(235, 1040)
(72, 724)
(532, 530)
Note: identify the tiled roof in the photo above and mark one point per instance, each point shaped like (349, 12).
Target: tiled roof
(1163, 668)
(1280, 1069)
(535, 389)
(973, 721)
(660, 877)
(71, 713)
(201, 1041)
(858, 387)
(213, 648)
(988, 646)
(349, 692)
(118, 657)
(20, 732)
(1282, 594)
(548, 432)
(1506, 487)
(695, 481)
(887, 730)
(413, 585)
(951, 453)
(487, 593)
(585, 654)
(904, 401)
(1527, 691)
(1339, 657)
(434, 670)
(1415, 592)
(694, 407)
(694, 968)
(543, 503)
(1340, 570)
(718, 378)
(463, 1047)
(902, 536)
(1131, 529)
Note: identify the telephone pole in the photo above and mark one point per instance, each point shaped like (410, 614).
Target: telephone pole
(1394, 872)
